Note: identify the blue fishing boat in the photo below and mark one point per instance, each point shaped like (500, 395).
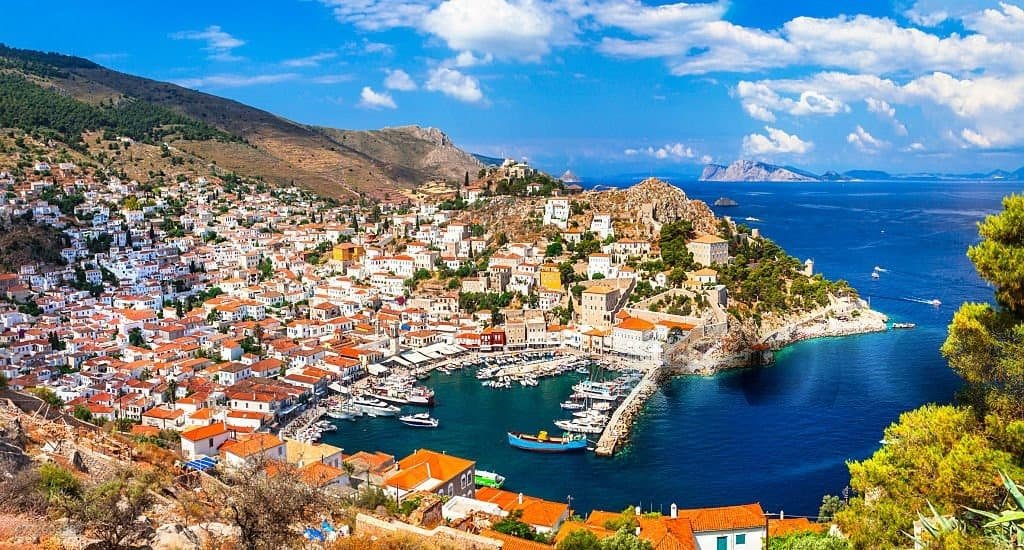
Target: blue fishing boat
(543, 443)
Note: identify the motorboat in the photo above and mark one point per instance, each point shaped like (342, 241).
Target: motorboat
(419, 420)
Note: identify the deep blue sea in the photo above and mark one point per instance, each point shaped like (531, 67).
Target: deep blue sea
(778, 435)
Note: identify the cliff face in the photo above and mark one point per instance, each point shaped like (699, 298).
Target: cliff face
(749, 170)
(429, 151)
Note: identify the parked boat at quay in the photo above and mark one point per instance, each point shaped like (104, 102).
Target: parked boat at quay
(483, 478)
(373, 407)
(544, 443)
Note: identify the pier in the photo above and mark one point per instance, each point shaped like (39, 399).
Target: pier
(617, 431)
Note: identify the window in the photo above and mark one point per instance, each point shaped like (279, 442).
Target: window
(722, 543)
(741, 538)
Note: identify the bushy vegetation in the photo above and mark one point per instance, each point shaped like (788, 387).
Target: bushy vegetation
(31, 107)
(768, 279)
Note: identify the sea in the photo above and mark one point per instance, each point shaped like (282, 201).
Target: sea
(779, 435)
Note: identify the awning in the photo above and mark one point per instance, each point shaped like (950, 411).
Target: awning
(201, 464)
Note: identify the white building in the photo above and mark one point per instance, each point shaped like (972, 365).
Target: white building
(556, 212)
(601, 226)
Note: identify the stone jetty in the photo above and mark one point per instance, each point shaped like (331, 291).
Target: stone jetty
(617, 431)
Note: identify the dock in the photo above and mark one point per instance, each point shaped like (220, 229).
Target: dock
(617, 431)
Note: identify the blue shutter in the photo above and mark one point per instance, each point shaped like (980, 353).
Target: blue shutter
(722, 543)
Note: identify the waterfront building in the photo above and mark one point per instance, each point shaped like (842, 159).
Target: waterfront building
(597, 305)
(722, 528)
(636, 339)
(429, 471)
(543, 515)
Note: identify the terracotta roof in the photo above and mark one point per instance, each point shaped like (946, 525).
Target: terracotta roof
(781, 527)
(535, 511)
(709, 239)
(254, 444)
(634, 323)
(724, 517)
(508, 542)
(204, 432)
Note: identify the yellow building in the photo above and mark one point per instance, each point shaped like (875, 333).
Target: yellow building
(347, 252)
(550, 277)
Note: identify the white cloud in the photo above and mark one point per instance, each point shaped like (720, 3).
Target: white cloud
(915, 147)
(864, 141)
(974, 138)
(506, 29)
(377, 15)
(309, 61)
(467, 59)
(399, 80)
(234, 80)
(370, 99)
(706, 159)
(775, 143)
(882, 107)
(454, 84)
(332, 78)
(219, 44)
(674, 151)
(761, 102)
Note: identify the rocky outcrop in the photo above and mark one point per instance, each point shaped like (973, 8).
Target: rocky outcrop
(640, 211)
(751, 170)
(428, 151)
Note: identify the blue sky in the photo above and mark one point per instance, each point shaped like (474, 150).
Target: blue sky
(599, 86)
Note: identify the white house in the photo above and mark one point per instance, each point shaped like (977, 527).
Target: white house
(556, 212)
(204, 441)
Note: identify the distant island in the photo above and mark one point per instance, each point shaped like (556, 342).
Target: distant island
(756, 171)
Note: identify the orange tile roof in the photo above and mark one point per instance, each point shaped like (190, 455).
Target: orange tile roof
(536, 511)
(508, 542)
(251, 445)
(204, 432)
(318, 474)
(781, 527)
(724, 517)
(424, 465)
(635, 323)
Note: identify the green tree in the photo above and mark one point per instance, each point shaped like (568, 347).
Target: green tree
(623, 539)
(83, 413)
(48, 396)
(580, 539)
(135, 338)
(985, 344)
(58, 483)
(809, 541)
(936, 453)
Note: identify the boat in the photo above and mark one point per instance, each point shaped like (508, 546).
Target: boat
(373, 407)
(903, 325)
(726, 201)
(483, 478)
(544, 443)
(341, 415)
(579, 426)
(582, 370)
(571, 405)
(419, 420)
(752, 219)
(875, 275)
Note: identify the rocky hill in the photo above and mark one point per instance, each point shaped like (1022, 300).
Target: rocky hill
(426, 150)
(750, 170)
(637, 212)
(260, 144)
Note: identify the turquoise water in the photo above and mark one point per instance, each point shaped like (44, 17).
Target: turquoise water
(778, 435)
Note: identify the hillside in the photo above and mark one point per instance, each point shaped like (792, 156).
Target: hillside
(426, 150)
(234, 136)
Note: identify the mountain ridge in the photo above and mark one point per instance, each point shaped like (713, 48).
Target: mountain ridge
(269, 146)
